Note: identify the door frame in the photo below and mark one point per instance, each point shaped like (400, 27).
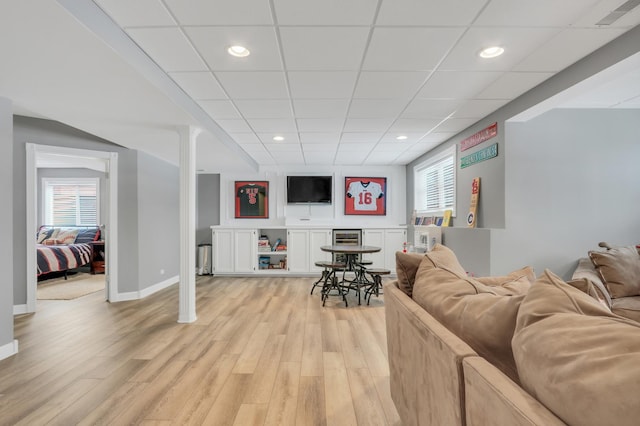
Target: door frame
(111, 222)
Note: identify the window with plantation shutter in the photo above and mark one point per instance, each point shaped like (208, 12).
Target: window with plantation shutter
(73, 201)
(435, 184)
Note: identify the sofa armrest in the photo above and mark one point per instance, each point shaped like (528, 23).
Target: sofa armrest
(425, 363)
(492, 398)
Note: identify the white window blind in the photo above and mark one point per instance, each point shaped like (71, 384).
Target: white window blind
(435, 184)
(71, 201)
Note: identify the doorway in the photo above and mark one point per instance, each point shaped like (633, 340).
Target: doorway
(106, 161)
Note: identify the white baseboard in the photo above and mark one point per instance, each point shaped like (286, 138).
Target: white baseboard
(8, 350)
(136, 295)
(20, 309)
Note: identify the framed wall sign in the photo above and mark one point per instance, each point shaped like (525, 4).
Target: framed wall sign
(365, 196)
(252, 199)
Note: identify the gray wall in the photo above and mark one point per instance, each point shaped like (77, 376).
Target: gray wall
(208, 206)
(71, 173)
(9, 232)
(495, 210)
(158, 220)
(572, 181)
(47, 132)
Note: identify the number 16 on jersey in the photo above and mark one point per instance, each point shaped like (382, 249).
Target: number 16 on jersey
(365, 196)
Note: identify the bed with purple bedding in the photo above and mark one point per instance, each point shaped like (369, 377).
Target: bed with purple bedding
(65, 248)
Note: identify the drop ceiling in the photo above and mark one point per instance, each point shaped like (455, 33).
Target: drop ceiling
(339, 80)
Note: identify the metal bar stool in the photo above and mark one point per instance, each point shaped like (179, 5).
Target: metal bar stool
(376, 277)
(329, 280)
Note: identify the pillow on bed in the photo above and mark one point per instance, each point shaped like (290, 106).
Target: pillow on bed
(67, 236)
(43, 234)
(88, 235)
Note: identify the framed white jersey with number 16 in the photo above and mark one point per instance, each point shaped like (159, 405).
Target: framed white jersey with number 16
(365, 196)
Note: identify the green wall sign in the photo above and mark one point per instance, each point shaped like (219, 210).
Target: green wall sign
(479, 156)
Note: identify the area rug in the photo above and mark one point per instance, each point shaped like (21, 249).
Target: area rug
(75, 286)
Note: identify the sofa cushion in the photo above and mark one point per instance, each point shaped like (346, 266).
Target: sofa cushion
(628, 307)
(406, 267)
(576, 357)
(67, 236)
(475, 312)
(586, 286)
(516, 282)
(586, 269)
(620, 270)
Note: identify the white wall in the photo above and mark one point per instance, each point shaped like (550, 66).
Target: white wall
(9, 232)
(281, 214)
(572, 180)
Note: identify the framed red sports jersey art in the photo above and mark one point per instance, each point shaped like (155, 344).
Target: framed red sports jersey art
(252, 199)
(365, 196)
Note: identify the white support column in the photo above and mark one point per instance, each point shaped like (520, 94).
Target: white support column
(187, 309)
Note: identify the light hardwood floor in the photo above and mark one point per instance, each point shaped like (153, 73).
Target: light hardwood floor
(262, 352)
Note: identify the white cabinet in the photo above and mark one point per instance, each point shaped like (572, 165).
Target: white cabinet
(317, 239)
(245, 248)
(222, 247)
(390, 240)
(298, 250)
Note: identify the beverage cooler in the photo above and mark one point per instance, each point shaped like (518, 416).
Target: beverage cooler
(346, 237)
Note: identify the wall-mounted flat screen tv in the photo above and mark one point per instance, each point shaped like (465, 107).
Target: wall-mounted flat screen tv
(309, 189)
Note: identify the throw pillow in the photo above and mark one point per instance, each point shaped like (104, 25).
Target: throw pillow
(406, 267)
(67, 236)
(620, 270)
(516, 282)
(43, 234)
(576, 357)
(586, 286)
(585, 269)
(475, 312)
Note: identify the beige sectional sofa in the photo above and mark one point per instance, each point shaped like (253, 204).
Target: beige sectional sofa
(511, 350)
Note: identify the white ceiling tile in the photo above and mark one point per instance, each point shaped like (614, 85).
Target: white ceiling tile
(319, 157)
(566, 48)
(323, 141)
(290, 158)
(270, 108)
(263, 159)
(391, 138)
(234, 126)
(169, 48)
(416, 49)
(376, 108)
(414, 125)
(327, 125)
(517, 42)
(221, 12)
(289, 138)
(199, 85)
(283, 147)
(325, 12)
(323, 48)
(367, 124)
(212, 43)
(245, 138)
(513, 84)
(273, 125)
(380, 158)
(478, 108)
(396, 146)
(254, 85)
(456, 124)
(137, 13)
(431, 108)
(423, 146)
(350, 157)
(360, 137)
(457, 84)
(428, 13)
(406, 158)
(320, 108)
(322, 85)
(220, 109)
(389, 85)
(538, 13)
(436, 137)
(360, 147)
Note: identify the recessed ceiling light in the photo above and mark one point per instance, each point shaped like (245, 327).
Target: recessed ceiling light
(491, 52)
(278, 138)
(238, 51)
(401, 138)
